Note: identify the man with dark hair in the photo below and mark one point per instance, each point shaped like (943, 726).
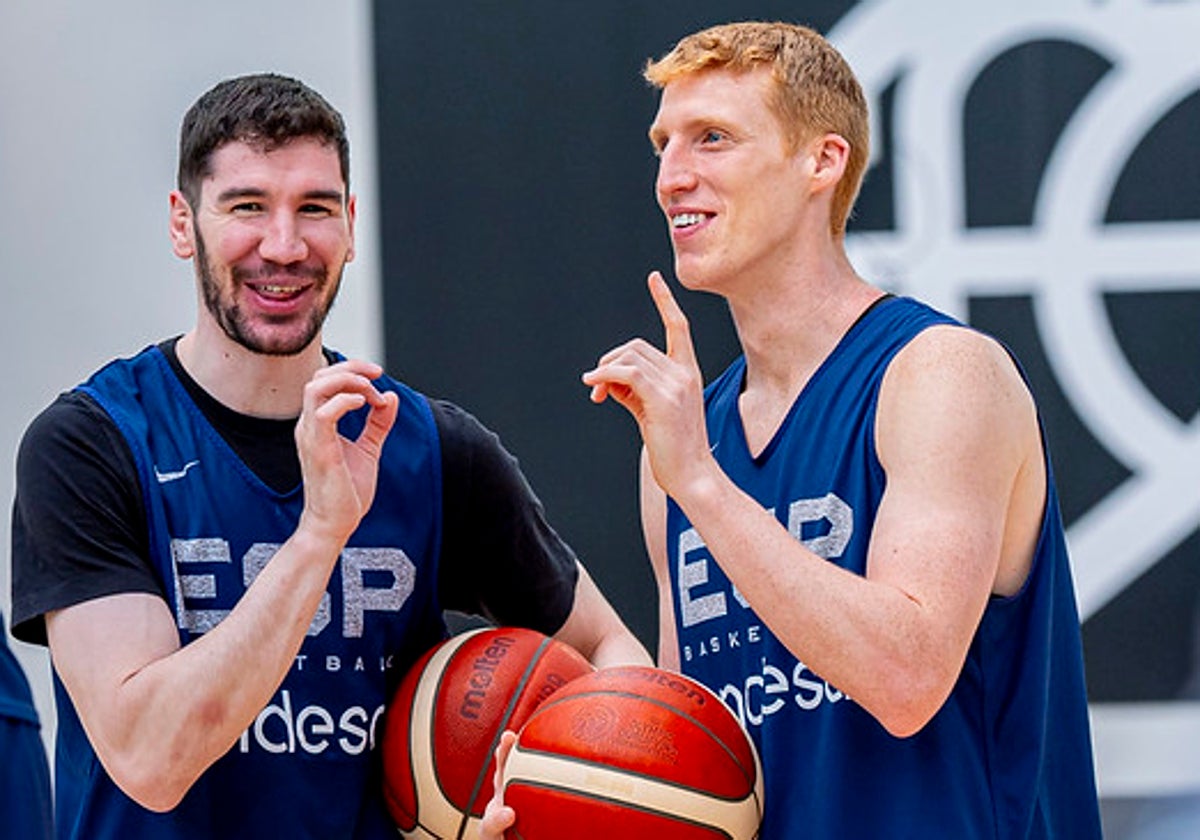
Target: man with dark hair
(265, 110)
(236, 541)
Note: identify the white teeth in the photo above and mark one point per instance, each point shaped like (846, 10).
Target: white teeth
(686, 219)
(280, 290)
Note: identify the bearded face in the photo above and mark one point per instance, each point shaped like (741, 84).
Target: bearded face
(280, 334)
(272, 233)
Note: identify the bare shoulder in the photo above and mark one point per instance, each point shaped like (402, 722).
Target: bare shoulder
(955, 388)
(956, 354)
(948, 366)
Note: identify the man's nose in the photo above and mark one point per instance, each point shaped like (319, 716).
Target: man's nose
(283, 241)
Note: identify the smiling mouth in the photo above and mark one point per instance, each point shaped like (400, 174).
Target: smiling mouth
(279, 283)
(278, 291)
(681, 221)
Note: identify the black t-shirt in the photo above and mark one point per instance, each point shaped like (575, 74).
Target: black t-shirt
(79, 528)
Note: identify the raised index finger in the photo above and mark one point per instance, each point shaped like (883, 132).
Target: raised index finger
(675, 323)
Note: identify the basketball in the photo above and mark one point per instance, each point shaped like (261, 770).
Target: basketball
(635, 753)
(446, 716)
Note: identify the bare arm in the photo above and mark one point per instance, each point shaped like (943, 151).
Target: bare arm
(158, 714)
(895, 639)
(654, 531)
(595, 630)
(955, 432)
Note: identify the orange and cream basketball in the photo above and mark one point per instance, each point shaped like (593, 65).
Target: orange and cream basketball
(445, 719)
(634, 753)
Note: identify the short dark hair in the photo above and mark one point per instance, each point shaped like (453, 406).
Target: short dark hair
(264, 109)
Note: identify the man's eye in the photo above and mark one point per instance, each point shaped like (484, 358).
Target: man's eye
(315, 210)
(247, 207)
(712, 136)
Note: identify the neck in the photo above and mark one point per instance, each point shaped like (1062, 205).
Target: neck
(787, 331)
(247, 382)
(788, 324)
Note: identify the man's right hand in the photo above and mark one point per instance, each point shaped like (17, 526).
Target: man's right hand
(340, 474)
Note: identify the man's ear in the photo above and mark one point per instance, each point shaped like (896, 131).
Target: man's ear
(182, 226)
(351, 213)
(830, 153)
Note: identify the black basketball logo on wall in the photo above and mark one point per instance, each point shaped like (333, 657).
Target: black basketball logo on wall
(1036, 172)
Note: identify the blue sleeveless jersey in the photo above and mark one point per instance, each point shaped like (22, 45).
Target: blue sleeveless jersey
(16, 699)
(1008, 755)
(307, 767)
(25, 800)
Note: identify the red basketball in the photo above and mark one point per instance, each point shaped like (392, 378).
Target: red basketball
(634, 753)
(446, 717)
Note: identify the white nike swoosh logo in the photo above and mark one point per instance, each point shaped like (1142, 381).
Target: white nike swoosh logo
(164, 477)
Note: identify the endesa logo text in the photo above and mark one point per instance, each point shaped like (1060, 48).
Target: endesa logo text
(283, 727)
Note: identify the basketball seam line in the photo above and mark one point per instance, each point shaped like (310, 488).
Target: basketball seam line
(629, 771)
(508, 710)
(623, 803)
(749, 774)
(444, 653)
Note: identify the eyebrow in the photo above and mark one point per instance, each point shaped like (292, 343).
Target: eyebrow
(234, 193)
(655, 135)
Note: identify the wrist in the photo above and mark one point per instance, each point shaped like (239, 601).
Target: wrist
(702, 492)
(316, 536)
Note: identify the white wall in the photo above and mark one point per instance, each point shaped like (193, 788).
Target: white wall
(91, 95)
